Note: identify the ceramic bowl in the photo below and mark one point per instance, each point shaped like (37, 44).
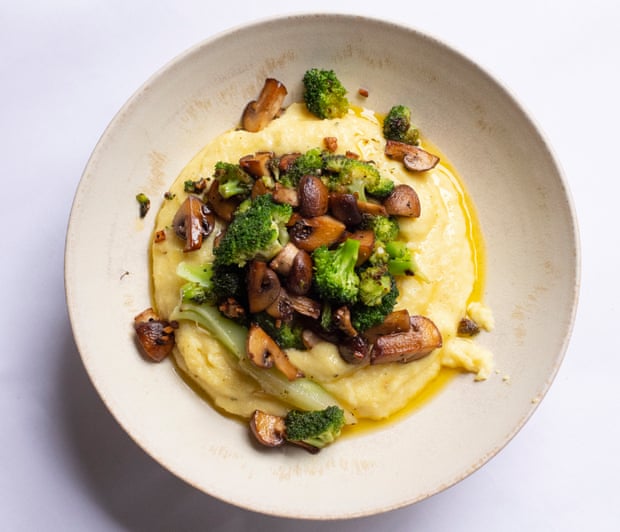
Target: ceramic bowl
(526, 216)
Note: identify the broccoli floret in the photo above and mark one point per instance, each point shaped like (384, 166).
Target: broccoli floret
(364, 317)
(334, 277)
(258, 231)
(209, 284)
(397, 126)
(195, 187)
(400, 260)
(233, 180)
(286, 335)
(375, 284)
(324, 94)
(199, 286)
(385, 228)
(309, 163)
(229, 281)
(316, 428)
(343, 173)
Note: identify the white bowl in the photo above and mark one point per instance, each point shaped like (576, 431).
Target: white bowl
(522, 202)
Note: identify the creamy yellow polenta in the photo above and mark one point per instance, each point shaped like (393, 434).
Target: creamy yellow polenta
(446, 290)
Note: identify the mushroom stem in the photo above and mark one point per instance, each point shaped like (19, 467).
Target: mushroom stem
(258, 113)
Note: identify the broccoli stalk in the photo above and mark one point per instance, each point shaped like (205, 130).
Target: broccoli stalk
(324, 94)
(301, 393)
(258, 230)
(397, 126)
(335, 278)
(316, 428)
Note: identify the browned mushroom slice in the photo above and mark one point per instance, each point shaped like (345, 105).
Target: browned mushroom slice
(395, 322)
(281, 308)
(258, 113)
(263, 286)
(224, 208)
(257, 164)
(156, 336)
(299, 278)
(268, 429)
(258, 189)
(193, 222)
(344, 207)
(414, 158)
(368, 207)
(419, 341)
(354, 350)
(263, 351)
(305, 306)
(342, 319)
(313, 196)
(287, 195)
(366, 239)
(287, 160)
(311, 233)
(283, 261)
(403, 201)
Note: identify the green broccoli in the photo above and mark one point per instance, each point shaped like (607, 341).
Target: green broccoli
(233, 180)
(355, 176)
(385, 228)
(199, 285)
(229, 281)
(286, 335)
(316, 428)
(335, 278)
(310, 162)
(300, 393)
(400, 260)
(397, 126)
(324, 94)
(209, 284)
(375, 284)
(258, 231)
(195, 187)
(364, 317)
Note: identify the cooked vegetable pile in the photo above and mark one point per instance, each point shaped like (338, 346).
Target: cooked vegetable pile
(308, 249)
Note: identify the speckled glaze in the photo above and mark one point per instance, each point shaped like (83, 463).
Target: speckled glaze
(524, 208)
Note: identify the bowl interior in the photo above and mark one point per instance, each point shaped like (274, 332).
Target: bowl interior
(526, 217)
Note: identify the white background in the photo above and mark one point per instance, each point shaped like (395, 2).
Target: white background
(66, 67)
